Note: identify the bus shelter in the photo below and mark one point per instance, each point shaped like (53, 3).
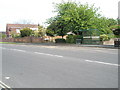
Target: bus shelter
(89, 36)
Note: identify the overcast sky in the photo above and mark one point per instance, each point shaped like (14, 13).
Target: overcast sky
(37, 11)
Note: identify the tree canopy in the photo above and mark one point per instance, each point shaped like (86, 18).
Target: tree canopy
(72, 16)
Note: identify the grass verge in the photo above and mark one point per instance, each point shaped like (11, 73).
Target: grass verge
(7, 43)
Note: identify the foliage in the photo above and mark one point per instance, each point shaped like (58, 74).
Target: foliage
(3, 36)
(114, 27)
(103, 25)
(116, 30)
(73, 16)
(41, 31)
(16, 35)
(118, 21)
(60, 40)
(112, 22)
(104, 37)
(26, 32)
(72, 38)
(117, 36)
(111, 36)
(35, 33)
(50, 32)
(58, 27)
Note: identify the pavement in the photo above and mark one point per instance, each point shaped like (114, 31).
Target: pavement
(40, 66)
(72, 45)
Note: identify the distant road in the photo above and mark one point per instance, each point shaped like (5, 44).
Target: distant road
(27, 66)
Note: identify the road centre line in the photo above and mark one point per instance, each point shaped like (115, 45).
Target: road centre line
(3, 85)
(18, 50)
(102, 63)
(48, 54)
(105, 63)
(13, 49)
(36, 52)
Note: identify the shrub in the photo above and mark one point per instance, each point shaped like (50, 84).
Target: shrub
(72, 38)
(60, 40)
(104, 37)
(26, 32)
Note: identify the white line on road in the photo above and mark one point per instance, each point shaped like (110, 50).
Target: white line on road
(48, 54)
(3, 85)
(102, 63)
(18, 50)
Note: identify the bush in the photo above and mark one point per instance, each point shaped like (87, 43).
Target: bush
(26, 32)
(104, 37)
(72, 38)
(60, 40)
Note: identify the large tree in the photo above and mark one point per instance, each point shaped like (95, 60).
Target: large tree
(74, 17)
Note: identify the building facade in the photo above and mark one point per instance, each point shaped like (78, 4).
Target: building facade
(14, 29)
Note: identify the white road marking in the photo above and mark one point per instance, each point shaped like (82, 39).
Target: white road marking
(36, 52)
(18, 50)
(48, 54)
(102, 63)
(3, 85)
(7, 77)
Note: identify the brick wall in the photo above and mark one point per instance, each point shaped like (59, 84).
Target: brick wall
(24, 40)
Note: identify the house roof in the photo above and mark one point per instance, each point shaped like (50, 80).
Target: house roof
(22, 25)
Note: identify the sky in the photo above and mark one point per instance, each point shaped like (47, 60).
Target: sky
(38, 11)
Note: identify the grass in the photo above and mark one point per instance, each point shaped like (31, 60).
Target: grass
(7, 43)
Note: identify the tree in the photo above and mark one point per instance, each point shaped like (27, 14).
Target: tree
(50, 32)
(26, 32)
(57, 27)
(103, 25)
(112, 22)
(41, 31)
(72, 17)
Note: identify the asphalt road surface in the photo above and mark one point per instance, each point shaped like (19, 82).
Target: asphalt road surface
(29, 66)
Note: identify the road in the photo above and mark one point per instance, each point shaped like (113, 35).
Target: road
(30, 66)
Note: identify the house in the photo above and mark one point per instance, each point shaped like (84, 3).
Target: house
(15, 28)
